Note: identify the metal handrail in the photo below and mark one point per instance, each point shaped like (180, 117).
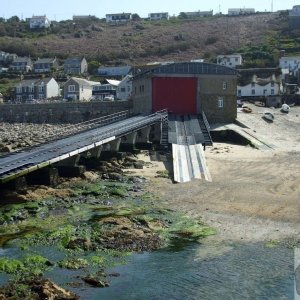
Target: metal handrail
(158, 116)
(205, 121)
(79, 127)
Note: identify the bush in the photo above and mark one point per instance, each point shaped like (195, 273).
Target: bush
(211, 40)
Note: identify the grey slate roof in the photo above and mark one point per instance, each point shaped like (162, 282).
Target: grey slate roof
(45, 61)
(195, 68)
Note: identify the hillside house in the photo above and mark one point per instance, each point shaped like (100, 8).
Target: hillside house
(101, 91)
(76, 65)
(291, 63)
(124, 89)
(158, 16)
(187, 88)
(37, 22)
(240, 11)
(231, 61)
(45, 65)
(198, 14)
(79, 89)
(29, 90)
(21, 64)
(114, 71)
(116, 18)
(260, 87)
(7, 58)
(294, 17)
(83, 17)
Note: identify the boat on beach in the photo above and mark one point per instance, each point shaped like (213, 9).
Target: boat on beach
(285, 108)
(247, 109)
(268, 116)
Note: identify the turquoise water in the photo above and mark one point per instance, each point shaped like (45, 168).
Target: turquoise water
(197, 271)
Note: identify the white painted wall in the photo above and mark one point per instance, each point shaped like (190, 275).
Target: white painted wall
(230, 60)
(124, 90)
(52, 89)
(289, 62)
(260, 90)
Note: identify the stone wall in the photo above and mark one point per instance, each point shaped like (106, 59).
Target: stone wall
(57, 113)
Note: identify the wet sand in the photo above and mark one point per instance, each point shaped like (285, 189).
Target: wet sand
(255, 194)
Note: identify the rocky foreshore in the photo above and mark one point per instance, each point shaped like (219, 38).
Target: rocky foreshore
(17, 136)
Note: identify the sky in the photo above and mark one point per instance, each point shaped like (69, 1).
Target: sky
(65, 9)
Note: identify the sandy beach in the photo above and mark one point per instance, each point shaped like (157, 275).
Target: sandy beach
(255, 194)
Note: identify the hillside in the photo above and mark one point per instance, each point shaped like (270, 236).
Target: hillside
(143, 41)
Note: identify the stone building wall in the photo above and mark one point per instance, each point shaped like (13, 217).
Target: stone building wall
(57, 113)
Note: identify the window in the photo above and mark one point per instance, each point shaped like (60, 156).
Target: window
(19, 98)
(272, 84)
(253, 84)
(19, 89)
(30, 97)
(41, 89)
(253, 92)
(272, 92)
(239, 93)
(123, 89)
(41, 96)
(30, 89)
(71, 88)
(224, 85)
(236, 59)
(265, 92)
(220, 102)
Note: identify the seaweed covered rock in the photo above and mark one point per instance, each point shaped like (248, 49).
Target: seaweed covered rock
(121, 233)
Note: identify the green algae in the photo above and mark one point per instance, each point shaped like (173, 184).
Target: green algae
(29, 266)
(82, 221)
(73, 263)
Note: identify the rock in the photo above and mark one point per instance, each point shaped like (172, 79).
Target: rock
(6, 149)
(95, 282)
(90, 176)
(80, 243)
(122, 222)
(138, 165)
(114, 274)
(131, 159)
(115, 176)
(47, 290)
(128, 165)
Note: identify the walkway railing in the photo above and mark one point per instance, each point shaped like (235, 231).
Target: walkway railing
(90, 124)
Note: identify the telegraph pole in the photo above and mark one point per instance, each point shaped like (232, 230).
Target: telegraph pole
(272, 6)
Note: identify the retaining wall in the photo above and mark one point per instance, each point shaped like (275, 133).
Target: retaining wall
(57, 113)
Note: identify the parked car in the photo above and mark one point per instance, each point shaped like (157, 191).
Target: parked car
(109, 98)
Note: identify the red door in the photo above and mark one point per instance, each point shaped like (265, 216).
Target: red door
(177, 94)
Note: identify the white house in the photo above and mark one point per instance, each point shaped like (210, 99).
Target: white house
(158, 16)
(28, 90)
(124, 89)
(79, 89)
(292, 63)
(260, 87)
(230, 60)
(39, 22)
(116, 18)
(198, 14)
(114, 71)
(295, 11)
(240, 11)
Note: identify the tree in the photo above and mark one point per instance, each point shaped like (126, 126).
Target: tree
(135, 17)
(93, 66)
(183, 15)
(2, 20)
(13, 19)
